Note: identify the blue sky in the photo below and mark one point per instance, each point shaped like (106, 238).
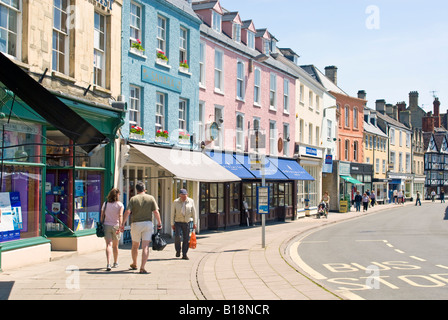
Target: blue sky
(405, 50)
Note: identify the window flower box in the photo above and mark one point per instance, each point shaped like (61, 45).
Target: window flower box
(184, 138)
(184, 67)
(136, 133)
(161, 58)
(162, 136)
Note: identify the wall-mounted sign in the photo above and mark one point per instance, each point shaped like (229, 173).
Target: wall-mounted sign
(161, 79)
(10, 216)
(106, 3)
(263, 200)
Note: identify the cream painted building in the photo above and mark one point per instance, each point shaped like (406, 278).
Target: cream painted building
(399, 171)
(316, 132)
(376, 153)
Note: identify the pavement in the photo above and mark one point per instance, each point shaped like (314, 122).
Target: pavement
(226, 265)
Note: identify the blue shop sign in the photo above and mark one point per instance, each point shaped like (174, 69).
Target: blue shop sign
(311, 151)
(161, 79)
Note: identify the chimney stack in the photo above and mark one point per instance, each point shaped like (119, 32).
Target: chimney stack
(413, 99)
(380, 106)
(331, 72)
(362, 94)
(436, 107)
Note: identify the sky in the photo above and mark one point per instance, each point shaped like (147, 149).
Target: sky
(387, 48)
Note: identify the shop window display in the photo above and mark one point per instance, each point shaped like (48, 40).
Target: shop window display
(20, 180)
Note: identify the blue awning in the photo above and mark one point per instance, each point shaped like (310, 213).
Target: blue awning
(292, 169)
(271, 171)
(228, 161)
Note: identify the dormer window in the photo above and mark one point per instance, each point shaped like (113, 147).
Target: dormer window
(237, 32)
(217, 21)
(251, 39)
(266, 46)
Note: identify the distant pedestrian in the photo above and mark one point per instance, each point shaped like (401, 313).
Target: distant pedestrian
(433, 195)
(372, 198)
(112, 218)
(326, 199)
(418, 198)
(358, 200)
(442, 196)
(365, 202)
(400, 196)
(141, 208)
(182, 212)
(395, 196)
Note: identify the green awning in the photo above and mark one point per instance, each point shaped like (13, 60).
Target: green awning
(352, 180)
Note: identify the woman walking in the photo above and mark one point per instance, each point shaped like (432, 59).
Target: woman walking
(365, 202)
(112, 218)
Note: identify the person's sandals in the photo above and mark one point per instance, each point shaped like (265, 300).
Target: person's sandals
(133, 267)
(143, 271)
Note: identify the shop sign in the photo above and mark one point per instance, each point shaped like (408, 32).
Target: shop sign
(10, 216)
(311, 152)
(328, 164)
(161, 79)
(263, 200)
(344, 168)
(106, 3)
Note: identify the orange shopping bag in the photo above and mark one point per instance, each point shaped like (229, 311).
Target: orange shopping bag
(193, 240)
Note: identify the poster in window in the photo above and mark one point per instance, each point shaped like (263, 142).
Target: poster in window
(11, 212)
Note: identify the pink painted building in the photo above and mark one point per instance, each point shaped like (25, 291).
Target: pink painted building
(241, 86)
(242, 89)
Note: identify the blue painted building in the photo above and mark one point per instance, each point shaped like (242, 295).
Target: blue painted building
(160, 84)
(160, 70)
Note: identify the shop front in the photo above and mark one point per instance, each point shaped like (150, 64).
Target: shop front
(281, 176)
(166, 170)
(309, 192)
(57, 163)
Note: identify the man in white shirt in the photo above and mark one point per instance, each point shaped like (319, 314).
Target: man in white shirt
(182, 212)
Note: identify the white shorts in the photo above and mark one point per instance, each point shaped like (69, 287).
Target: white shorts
(142, 231)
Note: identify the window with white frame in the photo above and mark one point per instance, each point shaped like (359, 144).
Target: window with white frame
(347, 116)
(250, 39)
(202, 64)
(201, 121)
(329, 129)
(237, 32)
(400, 162)
(286, 139)
(257, 85)
(10, 19)
(384, 166)
(317, 103)
(310, 133)
(272, 137)
(135, 25)
(317, 136)
(134, 106)
(60, 51)
(160, 112)
(219, 70)
(183, 45)
(347, 149)
(377, 165)
(218, 119)
(392, 161)
(302, 130)
(302, 93)
(310, 99)
(408, 163)
(355, 150)
(240, 80)
(392, 136)
(99, 61)
(273, 92)
(182, 115)
(217, 21)
(266, 46)
(240, 132)
(286, 95)
(400, 141)
(161, 34)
